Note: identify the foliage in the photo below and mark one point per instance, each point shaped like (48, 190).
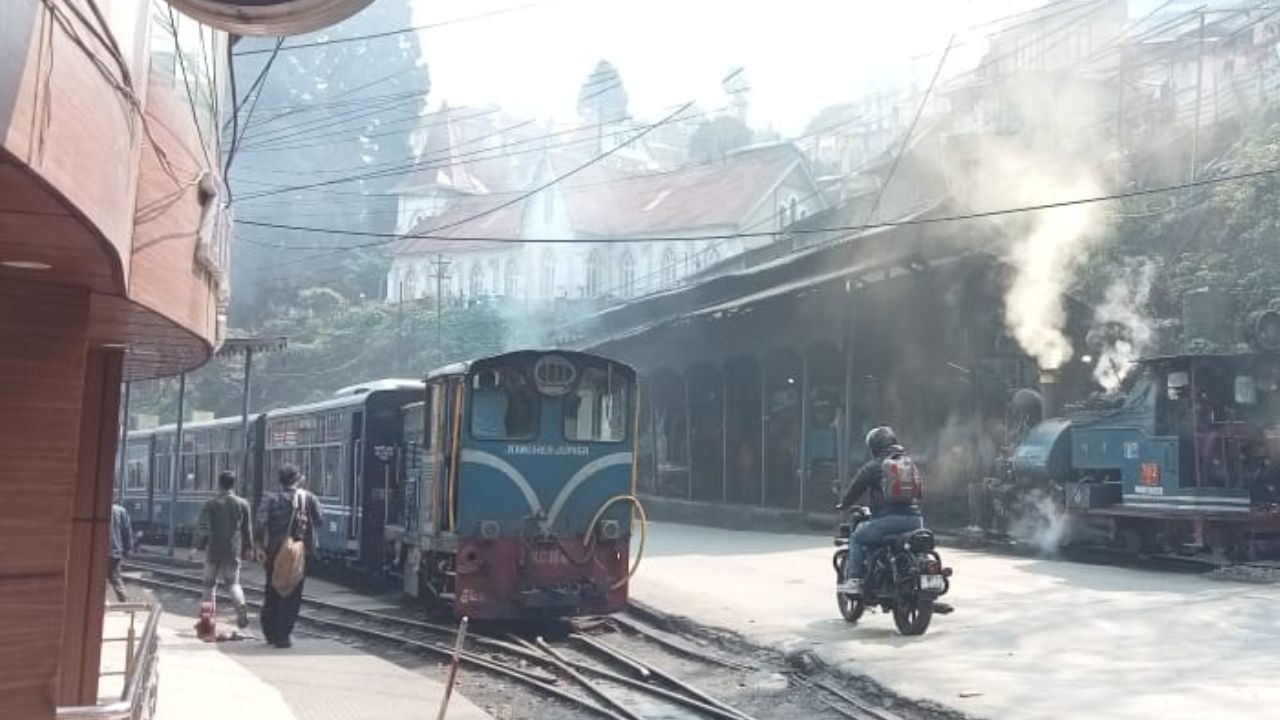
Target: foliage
(713, 140)
(1225, 236)
(602, 97)
(334, 111)
(332, 344)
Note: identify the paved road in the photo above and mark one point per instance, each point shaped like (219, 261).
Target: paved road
(1031, 639)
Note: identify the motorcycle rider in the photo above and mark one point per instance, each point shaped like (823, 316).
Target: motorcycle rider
(889, 515)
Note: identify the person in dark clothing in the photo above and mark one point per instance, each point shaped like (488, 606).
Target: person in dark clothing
(888, 516)
(291, 512)
(226, 535)
(121, 546)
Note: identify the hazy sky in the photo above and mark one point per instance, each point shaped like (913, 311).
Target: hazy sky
(799, 55)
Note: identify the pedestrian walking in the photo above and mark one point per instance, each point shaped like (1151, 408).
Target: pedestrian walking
(226, 536)
(287, 522)
(121, 546)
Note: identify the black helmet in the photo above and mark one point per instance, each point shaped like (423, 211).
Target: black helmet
(880, 439)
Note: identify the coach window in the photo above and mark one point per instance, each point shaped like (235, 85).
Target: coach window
(503, 405)
(596, 410)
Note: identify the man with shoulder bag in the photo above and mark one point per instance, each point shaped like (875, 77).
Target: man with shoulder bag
(287, 522)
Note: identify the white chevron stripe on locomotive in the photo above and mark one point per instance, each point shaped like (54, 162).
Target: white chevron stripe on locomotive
(517, 478)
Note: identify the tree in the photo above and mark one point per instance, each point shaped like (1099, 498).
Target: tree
(714, 140)
(1221, 236)
(602, 97)
(326, 112)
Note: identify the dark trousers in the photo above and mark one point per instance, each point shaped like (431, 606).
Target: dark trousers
(279, 612)
(115, 579)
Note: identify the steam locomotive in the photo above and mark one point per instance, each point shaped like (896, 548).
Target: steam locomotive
(1184, 458)
(497, 488)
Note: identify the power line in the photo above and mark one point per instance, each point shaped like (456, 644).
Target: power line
(392, 237)
(532, 191)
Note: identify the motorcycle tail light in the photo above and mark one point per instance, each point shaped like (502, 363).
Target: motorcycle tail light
(933, 567)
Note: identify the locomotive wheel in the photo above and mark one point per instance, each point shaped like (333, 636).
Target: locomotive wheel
(914, 615)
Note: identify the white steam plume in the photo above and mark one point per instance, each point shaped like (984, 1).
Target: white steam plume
(1044, 262)
(1051, 156)
(1121, 325)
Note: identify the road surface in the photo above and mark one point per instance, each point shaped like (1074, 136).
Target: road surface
(1031, 639)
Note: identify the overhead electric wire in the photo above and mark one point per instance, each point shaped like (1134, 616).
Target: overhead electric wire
(258, 85)
(392, 237)
(408, 168)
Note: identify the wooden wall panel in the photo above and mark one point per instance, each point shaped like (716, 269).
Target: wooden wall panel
(65, 119)
(164, 273)
(86, 565)
(42, 369)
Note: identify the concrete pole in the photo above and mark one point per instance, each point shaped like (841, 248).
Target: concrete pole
(1195, 131)
(123, 460)
(244, 422)
(177, 462)
(724, 434)
(804, 426)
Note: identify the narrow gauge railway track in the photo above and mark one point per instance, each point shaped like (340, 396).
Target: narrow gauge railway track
(579, 669)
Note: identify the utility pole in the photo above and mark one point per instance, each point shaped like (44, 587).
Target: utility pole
(124, 443)
(248, 346)
(400, 328)
(177, 461)
(1195, 131)
(441, 264)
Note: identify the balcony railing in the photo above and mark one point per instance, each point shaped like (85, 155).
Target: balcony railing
(137, 699)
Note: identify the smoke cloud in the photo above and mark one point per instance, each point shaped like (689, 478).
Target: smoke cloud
(1122, 330)
(1041, 523)
(1051, 157)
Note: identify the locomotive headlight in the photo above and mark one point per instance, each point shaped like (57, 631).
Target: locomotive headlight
(610, 529)
(489, 529)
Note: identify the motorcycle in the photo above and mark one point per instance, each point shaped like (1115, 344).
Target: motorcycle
(905, 576)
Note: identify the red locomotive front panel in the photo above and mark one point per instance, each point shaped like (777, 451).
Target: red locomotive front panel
(517, 577)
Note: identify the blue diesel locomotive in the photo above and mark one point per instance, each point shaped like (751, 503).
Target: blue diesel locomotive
(497, 488)
(519, 482)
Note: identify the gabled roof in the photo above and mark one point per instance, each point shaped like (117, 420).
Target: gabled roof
(440, 166)
(605, 202)
(490, 221)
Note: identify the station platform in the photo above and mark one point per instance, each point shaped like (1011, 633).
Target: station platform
(316, 679)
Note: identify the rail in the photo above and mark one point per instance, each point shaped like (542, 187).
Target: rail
(138, 697)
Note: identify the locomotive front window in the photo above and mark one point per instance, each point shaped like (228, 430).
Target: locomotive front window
(596, 410)
(503, 405)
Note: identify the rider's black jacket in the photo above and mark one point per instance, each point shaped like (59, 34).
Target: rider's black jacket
(870, 479)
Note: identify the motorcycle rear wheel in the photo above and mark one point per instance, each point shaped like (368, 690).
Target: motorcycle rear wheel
(913, 615)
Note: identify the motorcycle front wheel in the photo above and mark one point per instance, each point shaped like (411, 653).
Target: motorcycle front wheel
(851, 610)
(913, 614)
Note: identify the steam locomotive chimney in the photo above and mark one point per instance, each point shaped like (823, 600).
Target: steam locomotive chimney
(1049, 392)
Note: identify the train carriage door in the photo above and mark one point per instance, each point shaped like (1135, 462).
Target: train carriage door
(356, 487)
(451, 443)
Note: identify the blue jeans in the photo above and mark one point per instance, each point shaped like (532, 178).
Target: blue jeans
(870, 532)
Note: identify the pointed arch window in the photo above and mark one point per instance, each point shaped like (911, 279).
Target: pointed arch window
(668, 268)
(511, 278)
(548, 274)
(627, 270)
(595, 273)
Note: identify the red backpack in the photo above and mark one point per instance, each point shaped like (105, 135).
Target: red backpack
(902, 481)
